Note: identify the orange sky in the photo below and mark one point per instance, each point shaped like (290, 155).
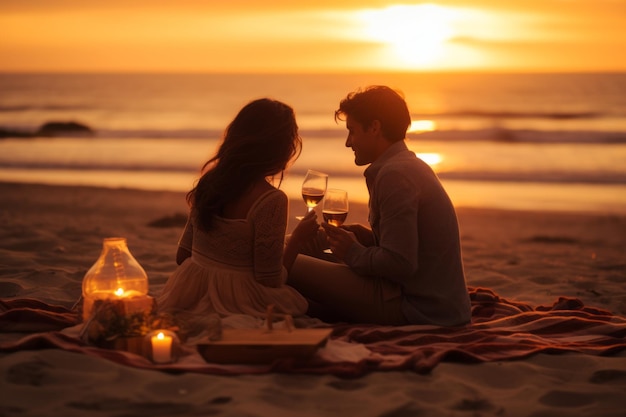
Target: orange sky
(311, 35)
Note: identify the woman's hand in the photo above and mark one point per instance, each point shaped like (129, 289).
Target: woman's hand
(306, 229)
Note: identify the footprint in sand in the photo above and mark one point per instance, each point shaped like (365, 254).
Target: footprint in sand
(609, 376)
(9, 289)
(31, 373)
(552, 239)
(568, 399)
(347, 385)
(476, 405)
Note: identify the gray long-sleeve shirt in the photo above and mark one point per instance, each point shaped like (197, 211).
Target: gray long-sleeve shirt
(417, 239)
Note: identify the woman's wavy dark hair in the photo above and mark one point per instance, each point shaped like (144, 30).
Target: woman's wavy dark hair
(260, 142)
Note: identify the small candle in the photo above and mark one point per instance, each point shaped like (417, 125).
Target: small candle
(120, 292)
(161, 348)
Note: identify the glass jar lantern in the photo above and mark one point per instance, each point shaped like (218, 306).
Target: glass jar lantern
(115, 275)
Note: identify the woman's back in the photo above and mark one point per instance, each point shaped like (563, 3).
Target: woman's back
(233, 237)
(236, 266)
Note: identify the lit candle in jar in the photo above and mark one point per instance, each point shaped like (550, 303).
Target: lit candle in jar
(161, 348)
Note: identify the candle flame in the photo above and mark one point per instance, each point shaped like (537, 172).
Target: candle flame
(119, 292)
(160, 336)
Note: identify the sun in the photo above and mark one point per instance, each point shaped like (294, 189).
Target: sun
(417, 34)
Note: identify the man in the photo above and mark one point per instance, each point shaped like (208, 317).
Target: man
(407, 269)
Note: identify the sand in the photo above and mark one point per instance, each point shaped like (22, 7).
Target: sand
(51, 235)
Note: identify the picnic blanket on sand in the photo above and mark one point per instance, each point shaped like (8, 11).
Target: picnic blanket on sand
(500, 330)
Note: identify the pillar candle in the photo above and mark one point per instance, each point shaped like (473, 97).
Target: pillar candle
(161, 348)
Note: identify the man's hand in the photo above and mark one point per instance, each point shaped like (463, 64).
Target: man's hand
(340, 240)
(363, 234)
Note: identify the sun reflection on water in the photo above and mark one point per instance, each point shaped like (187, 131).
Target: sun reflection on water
(431, 158)
(422, 126)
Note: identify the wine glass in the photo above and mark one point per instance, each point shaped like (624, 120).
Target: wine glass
(335, 208)
(313, 189)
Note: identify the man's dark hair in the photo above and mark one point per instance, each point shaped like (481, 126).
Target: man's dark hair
(377, 102)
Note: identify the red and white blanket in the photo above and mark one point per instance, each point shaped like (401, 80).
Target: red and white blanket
(500, 330)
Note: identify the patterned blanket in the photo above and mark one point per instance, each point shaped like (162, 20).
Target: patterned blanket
(500, 330)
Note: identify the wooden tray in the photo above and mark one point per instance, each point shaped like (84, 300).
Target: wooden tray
(256, 346)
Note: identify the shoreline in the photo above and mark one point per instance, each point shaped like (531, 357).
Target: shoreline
(600, 199)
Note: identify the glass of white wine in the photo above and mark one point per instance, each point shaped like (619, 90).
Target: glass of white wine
(335, 208)
(313, 189)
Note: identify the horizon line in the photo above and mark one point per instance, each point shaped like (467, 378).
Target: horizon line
(311, 72)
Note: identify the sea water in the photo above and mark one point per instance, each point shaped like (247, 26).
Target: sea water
(519, 141)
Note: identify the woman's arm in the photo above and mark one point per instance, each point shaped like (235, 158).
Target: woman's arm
(305, 230)
(269, 221)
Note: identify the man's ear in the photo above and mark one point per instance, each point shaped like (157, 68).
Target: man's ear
(375, 126)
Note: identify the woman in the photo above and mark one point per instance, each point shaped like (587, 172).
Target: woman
(232, 256)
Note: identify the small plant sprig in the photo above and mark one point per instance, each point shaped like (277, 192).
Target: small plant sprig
(110, 322)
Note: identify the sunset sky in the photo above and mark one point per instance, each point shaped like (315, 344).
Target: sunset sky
(311, 35)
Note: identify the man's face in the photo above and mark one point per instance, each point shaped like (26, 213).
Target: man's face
(362, 141)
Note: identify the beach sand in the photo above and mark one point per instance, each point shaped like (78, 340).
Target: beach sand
(51, 235)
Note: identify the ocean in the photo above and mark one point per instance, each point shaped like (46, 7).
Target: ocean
(512, 141)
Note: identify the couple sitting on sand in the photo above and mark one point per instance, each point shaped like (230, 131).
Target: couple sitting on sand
(234, 257)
